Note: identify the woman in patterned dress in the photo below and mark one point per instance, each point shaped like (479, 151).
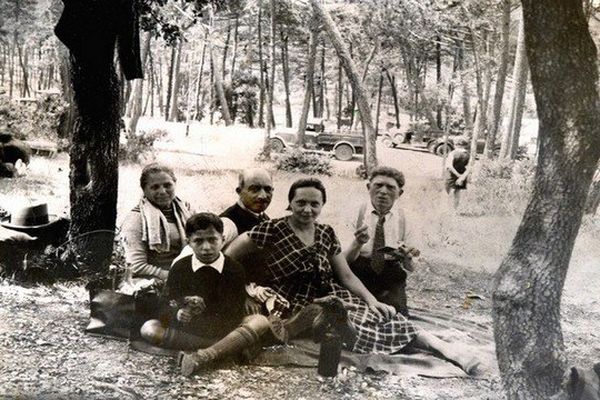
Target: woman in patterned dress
(305, 263)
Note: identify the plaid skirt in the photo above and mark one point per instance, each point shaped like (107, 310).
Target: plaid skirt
(374, 336)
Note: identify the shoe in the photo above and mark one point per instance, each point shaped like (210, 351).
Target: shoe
(190, 362)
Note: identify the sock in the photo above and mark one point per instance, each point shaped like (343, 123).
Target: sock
(240, 338)
(180, 340)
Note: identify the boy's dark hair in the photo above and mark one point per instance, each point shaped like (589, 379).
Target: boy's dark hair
(307, 183)
(390, 173)
(203, 220)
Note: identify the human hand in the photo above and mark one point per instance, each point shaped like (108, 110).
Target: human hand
(195, 304)
(184, 315)
(384, 312)
(361, 235)
(251, 306)
(262, 293)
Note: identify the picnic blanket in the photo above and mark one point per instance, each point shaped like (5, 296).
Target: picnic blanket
(475, 337)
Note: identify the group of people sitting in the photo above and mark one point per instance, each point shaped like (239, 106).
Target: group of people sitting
(234, 280)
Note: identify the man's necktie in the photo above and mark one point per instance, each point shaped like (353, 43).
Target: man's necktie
(377, 257)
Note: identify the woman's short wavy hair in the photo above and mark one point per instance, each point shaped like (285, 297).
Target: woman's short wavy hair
(155, 168)
(307, 183)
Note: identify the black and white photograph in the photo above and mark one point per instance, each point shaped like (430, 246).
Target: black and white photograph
(299, 199)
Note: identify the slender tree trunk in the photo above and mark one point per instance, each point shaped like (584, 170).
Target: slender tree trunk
(261, 97)
(501, 80)
(322, 81)
(374, 51)
(308, 81)
(286, 78)
(273, 59)
(392, 82)
(357, 87)
(530, 280)
(170, 82)
(176, 80)
(466, 95)
(379, 87)
(138, 87)
(159, 86)
(520, 72)
(235, 45)
(593, 198)
(216, 73)
(199, 104)
(226, 50)
(438, 75)
(25, 92)
(339, 92)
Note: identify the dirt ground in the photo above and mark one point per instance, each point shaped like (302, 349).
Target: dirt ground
(44, 353)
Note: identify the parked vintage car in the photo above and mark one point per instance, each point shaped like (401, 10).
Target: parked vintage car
(322, 137)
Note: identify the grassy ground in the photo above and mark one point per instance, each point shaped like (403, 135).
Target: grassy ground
(45, 354)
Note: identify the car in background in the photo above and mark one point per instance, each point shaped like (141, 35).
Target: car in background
(321, 136)
(435, 141)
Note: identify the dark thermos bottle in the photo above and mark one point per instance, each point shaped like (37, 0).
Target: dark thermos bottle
(329, 355)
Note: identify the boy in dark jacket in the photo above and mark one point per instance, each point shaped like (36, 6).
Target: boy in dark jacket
(206, 295)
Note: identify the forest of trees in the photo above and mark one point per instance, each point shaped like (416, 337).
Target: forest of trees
(441, 62)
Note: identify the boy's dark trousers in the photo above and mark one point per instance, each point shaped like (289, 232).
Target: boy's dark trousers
(389, 286)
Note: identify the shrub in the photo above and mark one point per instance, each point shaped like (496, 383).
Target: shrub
(138, 146)
(32, 120)
(305, 162)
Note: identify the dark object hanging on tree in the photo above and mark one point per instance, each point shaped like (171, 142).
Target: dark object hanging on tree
(88, 29)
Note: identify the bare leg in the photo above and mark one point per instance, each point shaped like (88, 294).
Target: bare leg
(456, 198)
(449, 351)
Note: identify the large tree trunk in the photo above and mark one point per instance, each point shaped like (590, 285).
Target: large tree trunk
(530, 280)
(308, 81)
(357, 87)
(500, 81)
(93, 155)
(200, 105)
(520, 72)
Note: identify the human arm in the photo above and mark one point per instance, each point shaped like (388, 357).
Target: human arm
(361, 236)
(241, 247)
(230, 231)
(352, 283)
(136, 250)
